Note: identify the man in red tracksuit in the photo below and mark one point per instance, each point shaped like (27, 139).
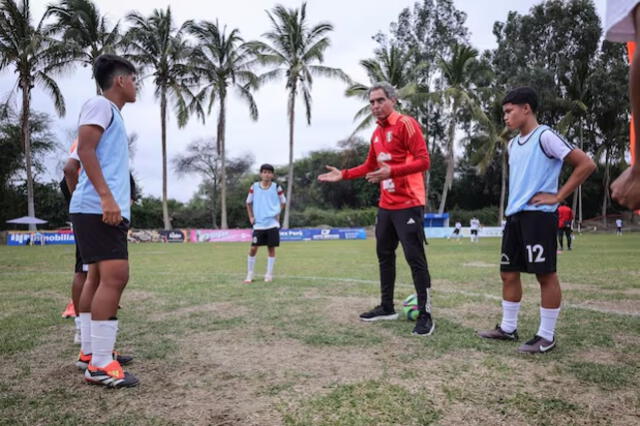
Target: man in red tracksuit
(565, 216)
(397, 161)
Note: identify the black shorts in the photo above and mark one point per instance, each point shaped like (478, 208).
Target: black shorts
(474, 232)
(266, 237)
(98, 241)
(529, 243)
(456, 231)
(80, 265)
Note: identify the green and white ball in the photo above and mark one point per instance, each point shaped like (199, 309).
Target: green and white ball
(410, 308)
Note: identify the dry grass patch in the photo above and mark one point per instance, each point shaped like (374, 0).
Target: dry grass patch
(221, 310)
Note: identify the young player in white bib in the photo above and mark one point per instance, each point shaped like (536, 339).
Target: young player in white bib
(529, 242)
(264, 203)
(474, 225)
(457, 232)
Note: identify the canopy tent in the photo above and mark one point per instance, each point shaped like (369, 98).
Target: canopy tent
(27, 220)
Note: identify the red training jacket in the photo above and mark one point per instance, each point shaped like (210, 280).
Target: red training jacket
(398, 142)
(565, 216)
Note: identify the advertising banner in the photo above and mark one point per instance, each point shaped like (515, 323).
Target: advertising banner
(153, 236)
(174, 236)
(25, 238)
(220, 235)
(485, 231)
(315, 234)
(306, 234)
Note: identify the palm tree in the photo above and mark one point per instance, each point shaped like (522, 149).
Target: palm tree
(392, 65)
(458, 75)
(35, 56)
(223, 61)
(295, 48)
(155, 44)
(81, 25)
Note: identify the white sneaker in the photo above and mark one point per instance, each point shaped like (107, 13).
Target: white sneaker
(268, 278)
(249, 279)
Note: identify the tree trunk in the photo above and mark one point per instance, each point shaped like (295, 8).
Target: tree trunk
(163, 127)
(606, 179)
(574, 202)
(579, 211)
(25, 134)
(448, 181)
(503, 184)
(223, 161)
(427, 178)
(213, 204)
(292, 109)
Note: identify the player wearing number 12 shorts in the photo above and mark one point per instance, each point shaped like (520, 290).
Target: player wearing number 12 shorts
(529, 244)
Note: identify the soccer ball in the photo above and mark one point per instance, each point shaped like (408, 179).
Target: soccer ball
(410, 308)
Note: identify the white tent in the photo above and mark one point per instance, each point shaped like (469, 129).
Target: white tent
(27, 220)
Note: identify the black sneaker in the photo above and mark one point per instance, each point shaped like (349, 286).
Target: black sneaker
(537, 345)
(379, 313)
(499, 334)
(424, 325)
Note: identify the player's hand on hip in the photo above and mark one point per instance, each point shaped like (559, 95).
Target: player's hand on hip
(384, 172)
(111, 214)
(333, 175)
(544, 198)
(626, 188)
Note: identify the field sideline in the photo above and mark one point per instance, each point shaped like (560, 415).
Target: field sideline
(211, 350)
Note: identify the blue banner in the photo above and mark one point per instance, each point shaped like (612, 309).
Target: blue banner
(316, 234)
(39, 238)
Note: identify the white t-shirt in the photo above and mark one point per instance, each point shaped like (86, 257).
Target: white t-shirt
(552, 144)
(618, 24)
(475, 223)
(619, 223)
(458, 225)
(96, 111)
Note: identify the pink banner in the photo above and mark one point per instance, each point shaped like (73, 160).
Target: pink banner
(220, 235)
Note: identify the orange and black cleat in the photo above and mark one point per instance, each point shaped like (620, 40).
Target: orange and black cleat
(112, 376)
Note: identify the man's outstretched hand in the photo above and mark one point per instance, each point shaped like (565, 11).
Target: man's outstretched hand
(333, 175)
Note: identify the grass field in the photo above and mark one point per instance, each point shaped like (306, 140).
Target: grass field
(211, 350)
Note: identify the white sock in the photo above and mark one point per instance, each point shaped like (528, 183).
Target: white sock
(103, 340)
(548, 318)
(509, 316)
(270, 262)
(251, 263)
(77, 322)
(85, 332)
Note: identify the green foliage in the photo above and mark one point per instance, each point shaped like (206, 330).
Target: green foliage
(84, 30)
(488, 216)
(314, 216)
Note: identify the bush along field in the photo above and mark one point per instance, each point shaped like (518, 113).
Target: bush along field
(211, 350)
